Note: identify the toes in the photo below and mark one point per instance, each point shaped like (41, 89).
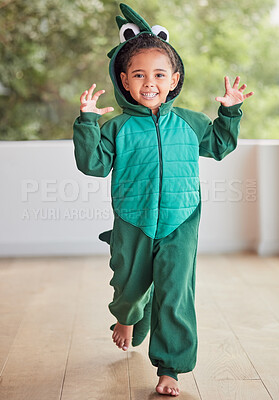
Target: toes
(159, 389)
(167, 390)
(126, 344)
(120, 342)
(172, 391)
(117, 339)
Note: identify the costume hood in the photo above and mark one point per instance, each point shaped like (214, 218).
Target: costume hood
(131, 26)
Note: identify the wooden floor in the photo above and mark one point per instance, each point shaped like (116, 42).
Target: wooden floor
(55, 342)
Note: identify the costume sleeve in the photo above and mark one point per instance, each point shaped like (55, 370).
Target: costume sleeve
(94, 146)
(219, 138)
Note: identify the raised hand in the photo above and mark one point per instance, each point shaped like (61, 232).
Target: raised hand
(88, 103)
(233, 95)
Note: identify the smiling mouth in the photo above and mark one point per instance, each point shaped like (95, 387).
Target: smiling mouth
(149, 95)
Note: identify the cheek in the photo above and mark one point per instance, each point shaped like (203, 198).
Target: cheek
(135, 87)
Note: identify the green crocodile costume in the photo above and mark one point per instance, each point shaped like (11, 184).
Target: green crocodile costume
(156, 202)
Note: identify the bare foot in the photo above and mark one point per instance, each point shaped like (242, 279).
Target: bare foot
(167, 385)
(122, 335)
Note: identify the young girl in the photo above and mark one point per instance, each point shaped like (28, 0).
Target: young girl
(153, 150)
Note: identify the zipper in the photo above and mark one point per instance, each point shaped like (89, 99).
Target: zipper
(156, 120)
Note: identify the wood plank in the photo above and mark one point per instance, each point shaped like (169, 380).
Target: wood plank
(220, 355)
(233, 390)
(257, 271)
(223, 370)
(96, 369)
(262, 274)
(17, 283)
(36, 364)
(249, 317)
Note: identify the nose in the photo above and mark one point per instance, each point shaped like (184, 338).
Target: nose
(148, 83)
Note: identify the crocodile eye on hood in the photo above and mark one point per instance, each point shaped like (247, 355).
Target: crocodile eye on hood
(161, 32)
(127, 31)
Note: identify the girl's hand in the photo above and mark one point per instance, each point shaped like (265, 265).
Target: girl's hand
(233, 95)
(88, 103)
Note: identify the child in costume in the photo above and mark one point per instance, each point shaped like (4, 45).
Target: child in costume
(153, 149)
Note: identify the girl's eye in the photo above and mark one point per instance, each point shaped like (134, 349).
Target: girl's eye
(160, 75)
(138, 75)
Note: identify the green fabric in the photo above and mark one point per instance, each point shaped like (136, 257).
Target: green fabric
(133, 17)
(142, 327)
(216, 139)
(139, 262)
(94, 148)
(155, 177)
(140, 196)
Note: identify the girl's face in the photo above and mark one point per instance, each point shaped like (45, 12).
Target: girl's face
(149, 78)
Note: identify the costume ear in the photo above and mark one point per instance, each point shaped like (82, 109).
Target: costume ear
(133, 17)
(161, 32)
(120, 21)
(128, 31)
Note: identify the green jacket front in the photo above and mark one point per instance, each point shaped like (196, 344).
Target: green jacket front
(154, 161)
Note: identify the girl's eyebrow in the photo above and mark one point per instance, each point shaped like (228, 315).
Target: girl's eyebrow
(139, 70)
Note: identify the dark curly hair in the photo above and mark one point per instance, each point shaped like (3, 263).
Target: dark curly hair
(143, 42)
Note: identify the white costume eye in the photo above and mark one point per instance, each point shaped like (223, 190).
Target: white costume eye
(127, 31)
(161, 32)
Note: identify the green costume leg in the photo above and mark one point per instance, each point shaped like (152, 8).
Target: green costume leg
(131, 261)
(170, 262)
(142, 327)
(173, 337)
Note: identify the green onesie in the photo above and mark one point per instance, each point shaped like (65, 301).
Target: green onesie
(156, 201)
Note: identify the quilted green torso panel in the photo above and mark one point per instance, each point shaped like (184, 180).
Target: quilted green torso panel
(155, 179)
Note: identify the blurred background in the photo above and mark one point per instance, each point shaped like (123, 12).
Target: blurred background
(52, 50)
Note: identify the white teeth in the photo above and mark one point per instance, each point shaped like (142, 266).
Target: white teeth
(150, 95)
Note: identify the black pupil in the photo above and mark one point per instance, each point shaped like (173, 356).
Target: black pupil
(162, 35)
(129, 33)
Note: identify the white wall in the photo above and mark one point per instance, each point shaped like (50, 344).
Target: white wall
(48, 207)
